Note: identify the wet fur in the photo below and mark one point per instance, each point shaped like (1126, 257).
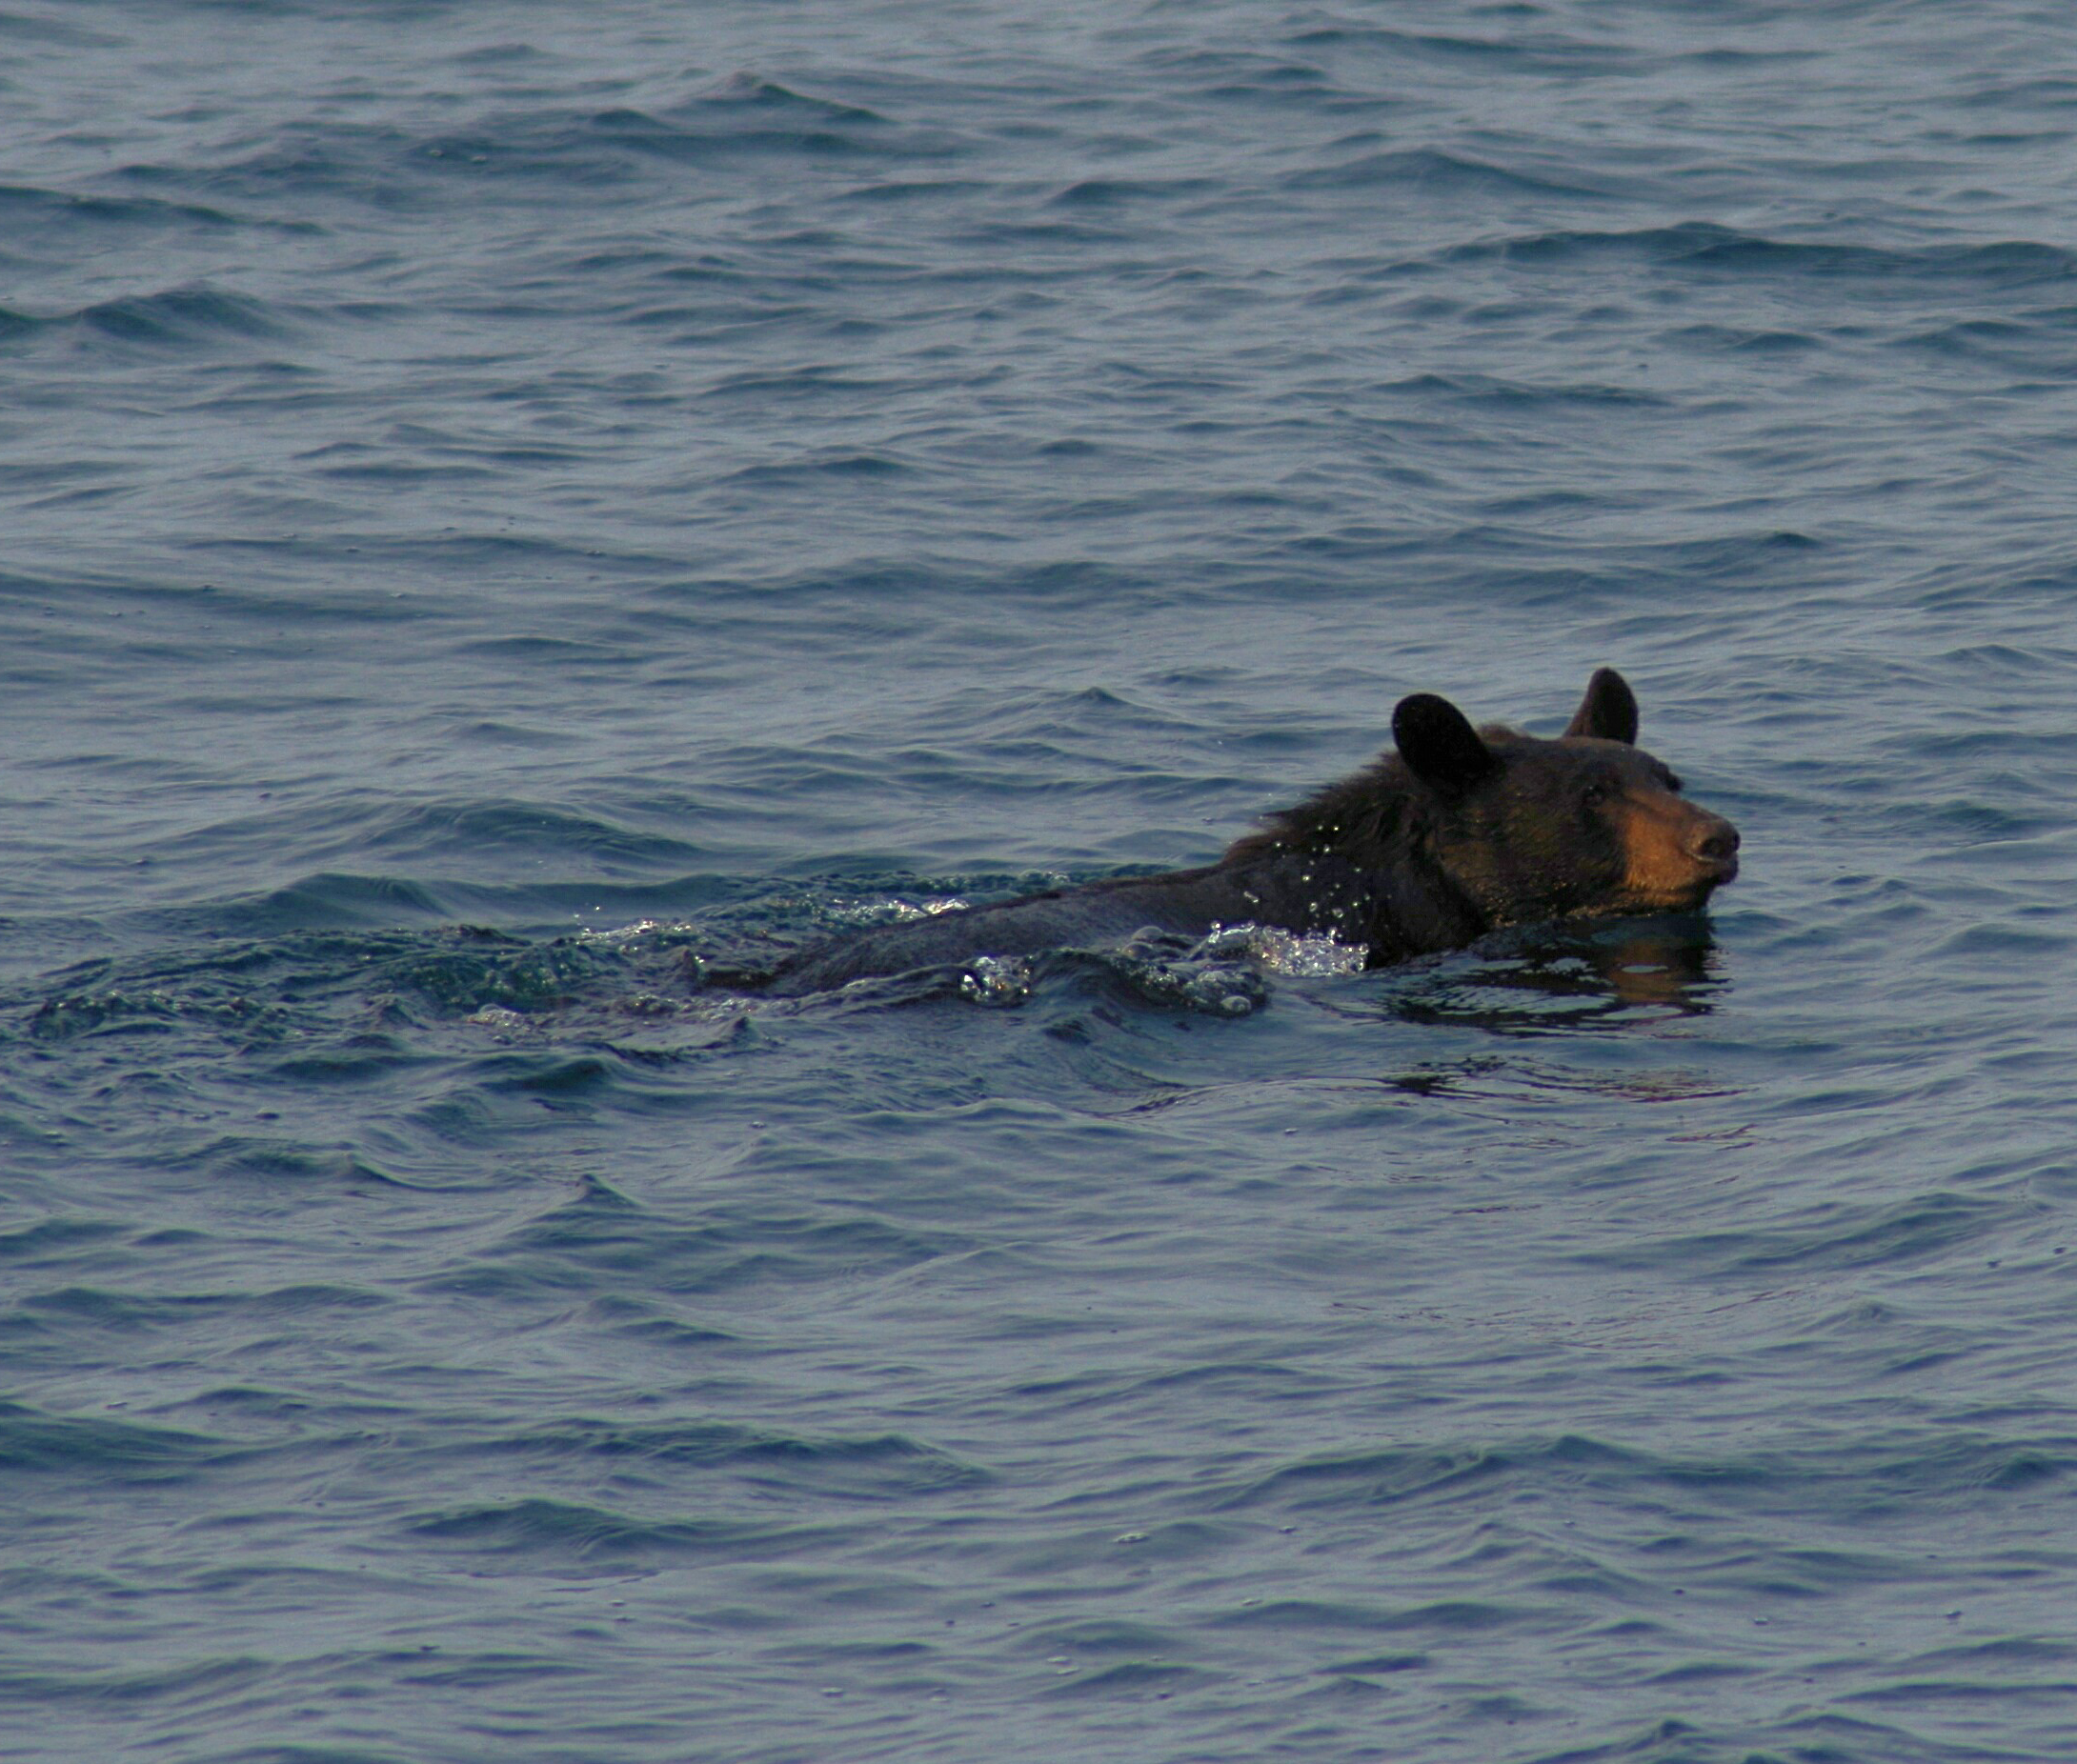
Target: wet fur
(1458, 832)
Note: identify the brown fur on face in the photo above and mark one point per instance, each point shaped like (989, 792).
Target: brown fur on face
(1589, 823)
(1673, 854)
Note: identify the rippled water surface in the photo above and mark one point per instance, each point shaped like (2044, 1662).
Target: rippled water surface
(506, 504)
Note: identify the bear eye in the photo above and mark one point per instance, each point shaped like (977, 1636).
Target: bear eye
(1596, 792)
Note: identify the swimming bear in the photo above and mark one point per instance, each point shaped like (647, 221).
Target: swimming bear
(1460, 831)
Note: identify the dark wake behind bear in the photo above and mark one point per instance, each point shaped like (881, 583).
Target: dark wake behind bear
(1460, 831)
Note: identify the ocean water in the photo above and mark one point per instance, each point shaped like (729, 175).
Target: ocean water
(506, 503)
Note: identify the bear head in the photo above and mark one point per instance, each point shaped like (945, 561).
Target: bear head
(1588, 823)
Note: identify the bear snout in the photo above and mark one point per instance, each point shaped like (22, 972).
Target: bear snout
(1714, 840)
(1674, 854)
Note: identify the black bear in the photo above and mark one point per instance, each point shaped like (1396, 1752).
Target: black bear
(1460, 831)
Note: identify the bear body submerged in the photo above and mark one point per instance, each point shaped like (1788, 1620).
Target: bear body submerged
(1463, 831)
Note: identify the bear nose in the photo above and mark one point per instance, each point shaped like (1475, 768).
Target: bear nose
(1718, 841)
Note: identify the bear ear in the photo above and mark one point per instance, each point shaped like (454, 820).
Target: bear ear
(1609, 709)
(1438, 745)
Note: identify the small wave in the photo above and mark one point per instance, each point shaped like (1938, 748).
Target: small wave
(1868, 1478)
(1518, 52)
(24, 206)
(818, 467)
(522, 154)
(2001, 342)
(1136, 1678)
(872, 1466)
(740, 117)
(54, 1240)
(100, 1308)
(1739, 339)
(1383, 1477)
(325, 1006)
(1896, 1233)
(20, 28)
(561, 1532)
(192, 1684)
(510, 974)
(131, 1010)
(181, 318)
(1705, 245)
(621, 140)
(813, 382)
(753, 91)
(1429, 172)
(1443, 1619)
(1244, 75)
(331, 899)
(537, 831)
(272, 1160)
(1482, 389)
(1110, 192)
(88, 1445)
(583, 1246)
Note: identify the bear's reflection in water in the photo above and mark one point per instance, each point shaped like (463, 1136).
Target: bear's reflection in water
(1570, 976)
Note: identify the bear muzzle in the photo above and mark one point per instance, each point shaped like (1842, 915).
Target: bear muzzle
(1674, 854)
(1714, 841)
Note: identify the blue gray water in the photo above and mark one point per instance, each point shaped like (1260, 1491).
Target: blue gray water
(504, 501)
